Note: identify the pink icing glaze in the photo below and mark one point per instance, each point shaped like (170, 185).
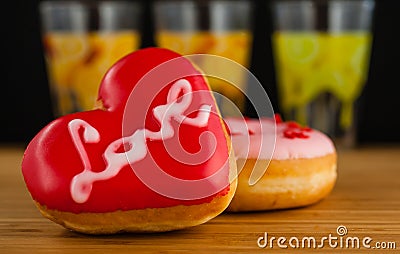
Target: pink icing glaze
(253, 138)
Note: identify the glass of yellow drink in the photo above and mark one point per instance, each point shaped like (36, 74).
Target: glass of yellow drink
(321, 51)
(81, 41)
(221, 28)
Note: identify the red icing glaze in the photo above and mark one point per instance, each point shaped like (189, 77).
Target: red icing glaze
(51, 159)
(228, 130)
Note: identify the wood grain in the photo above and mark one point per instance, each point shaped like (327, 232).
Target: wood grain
(366, 199)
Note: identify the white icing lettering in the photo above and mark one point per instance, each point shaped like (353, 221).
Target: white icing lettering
(136, 150)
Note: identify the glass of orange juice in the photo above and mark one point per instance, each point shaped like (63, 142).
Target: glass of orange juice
(215, 27)
(321, 50)
(82, 39)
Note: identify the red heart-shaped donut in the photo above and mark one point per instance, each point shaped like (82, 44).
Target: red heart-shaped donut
(157, 145)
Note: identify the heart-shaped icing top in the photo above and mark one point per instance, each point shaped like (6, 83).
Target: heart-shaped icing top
(157, 142)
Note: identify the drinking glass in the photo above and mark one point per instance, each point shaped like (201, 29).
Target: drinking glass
(221, 28)
(321, 51)
(82, 39)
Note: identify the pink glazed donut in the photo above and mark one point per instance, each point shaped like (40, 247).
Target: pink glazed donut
(300, 170)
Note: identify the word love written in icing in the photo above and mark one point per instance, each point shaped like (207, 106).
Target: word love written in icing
(82, 183)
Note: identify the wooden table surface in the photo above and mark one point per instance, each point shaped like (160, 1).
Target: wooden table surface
(366, 200)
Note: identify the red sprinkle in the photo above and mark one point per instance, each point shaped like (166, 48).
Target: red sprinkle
(293, 125)
(302, 135)
(294, 130)
(278, 118)
(288, 134)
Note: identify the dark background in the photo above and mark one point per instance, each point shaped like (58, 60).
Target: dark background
(26, 106)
